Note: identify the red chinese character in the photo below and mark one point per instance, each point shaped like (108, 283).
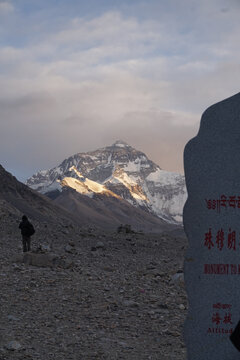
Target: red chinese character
(216, 318)
(220, 239)
(208, 239)
(227, 318)
(232, 240)
(232, 201)
(238, 202)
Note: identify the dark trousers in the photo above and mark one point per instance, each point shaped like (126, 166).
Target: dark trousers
(26, 241)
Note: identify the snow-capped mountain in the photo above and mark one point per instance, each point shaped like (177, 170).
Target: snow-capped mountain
(119, 171)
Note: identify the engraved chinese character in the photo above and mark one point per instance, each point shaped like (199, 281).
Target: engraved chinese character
(220, 239)
(232, 240)
(227, 318)
(216, 318)
(208, 239)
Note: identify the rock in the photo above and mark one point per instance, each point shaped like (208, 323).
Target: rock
(13, 345)
(126, 229)
(181, 307)
(44, 248)
(100, 245)
(63, 263)
(17, 259)
(151, 312)
(12, 318)
(163, 306)
(16, 267)
(178, 278)
(124, 344)
(65, 232)
(44, 260)
(151, 266)
(173, 333)
(130, 303)
(108, 269)
(68, 249)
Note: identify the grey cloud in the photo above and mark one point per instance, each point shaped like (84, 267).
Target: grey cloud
(114, 76)
(75, 121)
(6, 7)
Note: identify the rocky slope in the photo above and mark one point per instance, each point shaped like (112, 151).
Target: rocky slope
(108, 297)
(19, 199)
(108, 212)
(120, 171)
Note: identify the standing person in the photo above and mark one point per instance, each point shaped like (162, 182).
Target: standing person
(27, 230)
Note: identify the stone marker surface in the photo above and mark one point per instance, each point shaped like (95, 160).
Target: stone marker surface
(212, 224)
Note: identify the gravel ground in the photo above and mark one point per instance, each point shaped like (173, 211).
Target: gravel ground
(112, 296)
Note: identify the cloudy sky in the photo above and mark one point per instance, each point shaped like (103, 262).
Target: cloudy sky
(77, 75)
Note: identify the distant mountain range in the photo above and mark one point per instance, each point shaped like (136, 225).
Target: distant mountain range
(112, 184)
(105, 212)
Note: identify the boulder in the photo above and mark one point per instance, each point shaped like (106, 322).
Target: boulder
(43, 260)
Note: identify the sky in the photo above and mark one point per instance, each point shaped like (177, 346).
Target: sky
(76, 76)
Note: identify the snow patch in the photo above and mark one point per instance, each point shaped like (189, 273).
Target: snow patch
(84, 185)
(73, 168)
(132, 186)
(163, 177)
(47, 187)
(178, 218)
(132, 166)
(121, 144)
(95, 187)
(75, 184)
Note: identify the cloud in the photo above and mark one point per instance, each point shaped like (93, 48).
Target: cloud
(145, 78)
(160, 134)
(6, 7)
(51, 126)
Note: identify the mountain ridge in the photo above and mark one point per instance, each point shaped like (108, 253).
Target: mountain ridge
(103, 211)
(122, 171)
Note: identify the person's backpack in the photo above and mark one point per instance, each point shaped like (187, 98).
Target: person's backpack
(30, 230)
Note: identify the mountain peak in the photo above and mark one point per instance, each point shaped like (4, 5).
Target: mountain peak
(121, 143)
(124, 171)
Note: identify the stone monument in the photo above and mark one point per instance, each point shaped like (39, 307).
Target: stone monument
(212, 225)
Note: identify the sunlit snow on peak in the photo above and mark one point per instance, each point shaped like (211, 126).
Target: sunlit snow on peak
(121, 143)
(119, 171)
(84, 185)
(73, 168)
